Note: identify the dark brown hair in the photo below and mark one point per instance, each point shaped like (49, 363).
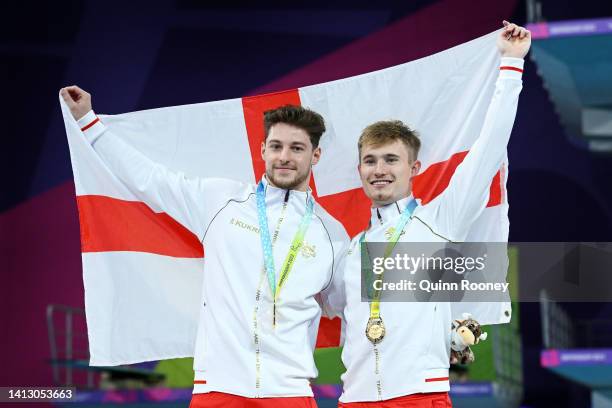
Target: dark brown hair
(388, 131)
(308, 120)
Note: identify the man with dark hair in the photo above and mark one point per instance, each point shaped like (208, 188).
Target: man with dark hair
(289, 118)
(389, 362)
(271, 255)
(297, 116)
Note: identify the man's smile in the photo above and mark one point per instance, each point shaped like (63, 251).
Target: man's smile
(380, 183)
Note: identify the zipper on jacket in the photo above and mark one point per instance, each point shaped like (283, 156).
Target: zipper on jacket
(256, 339)
(377, 372)
(379, 216)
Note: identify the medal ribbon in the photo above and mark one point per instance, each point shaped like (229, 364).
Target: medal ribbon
(399, 228)
(266, 242)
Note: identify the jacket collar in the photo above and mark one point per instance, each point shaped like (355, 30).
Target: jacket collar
(381, 215)
(274, 194)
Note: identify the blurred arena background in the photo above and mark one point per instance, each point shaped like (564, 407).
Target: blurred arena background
(140, 55)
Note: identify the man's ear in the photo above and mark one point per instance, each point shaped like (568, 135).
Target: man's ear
(316, 155)
(263, 149)
(416, 167)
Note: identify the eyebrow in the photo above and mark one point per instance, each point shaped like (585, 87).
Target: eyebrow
(386, 156)
(292, 143)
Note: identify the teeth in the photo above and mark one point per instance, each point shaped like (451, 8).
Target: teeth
(381, 182)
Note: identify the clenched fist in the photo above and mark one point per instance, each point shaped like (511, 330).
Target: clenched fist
(513, 41)
(77, 100)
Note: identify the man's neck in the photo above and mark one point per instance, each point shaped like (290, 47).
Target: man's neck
(379, 204)
(303, 187)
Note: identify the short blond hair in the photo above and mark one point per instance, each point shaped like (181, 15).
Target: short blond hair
(388, 131)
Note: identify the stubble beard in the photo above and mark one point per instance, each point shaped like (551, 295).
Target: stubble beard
(298, 179)
(381, 199)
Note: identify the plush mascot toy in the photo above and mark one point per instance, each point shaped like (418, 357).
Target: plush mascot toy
(465, 333)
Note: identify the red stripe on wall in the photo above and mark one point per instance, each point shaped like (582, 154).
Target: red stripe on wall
(254, 108)
(329, 333)
(110, 224)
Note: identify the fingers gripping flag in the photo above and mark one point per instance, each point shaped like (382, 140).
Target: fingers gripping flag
(143, 270)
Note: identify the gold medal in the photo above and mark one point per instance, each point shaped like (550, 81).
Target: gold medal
(375, 330)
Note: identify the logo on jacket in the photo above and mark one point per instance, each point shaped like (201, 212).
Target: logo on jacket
(308, 251)
(390, 231)
(244, 225)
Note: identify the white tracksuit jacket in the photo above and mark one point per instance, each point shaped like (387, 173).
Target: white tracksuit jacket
(414, 355)
(237, 350)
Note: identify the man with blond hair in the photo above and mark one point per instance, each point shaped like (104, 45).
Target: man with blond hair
(389, 363)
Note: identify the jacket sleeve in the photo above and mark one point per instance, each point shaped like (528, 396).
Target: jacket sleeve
(190, 201)
(334, 295)
(467, 193)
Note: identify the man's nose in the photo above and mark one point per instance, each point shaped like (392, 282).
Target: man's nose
(381, 168)
(285, 154)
